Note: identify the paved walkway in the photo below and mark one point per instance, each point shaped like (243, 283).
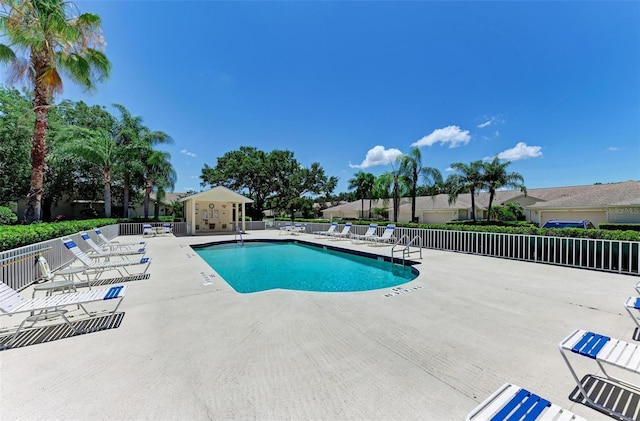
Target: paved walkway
(190, 349)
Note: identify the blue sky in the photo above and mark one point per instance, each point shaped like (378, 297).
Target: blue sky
(554, 87)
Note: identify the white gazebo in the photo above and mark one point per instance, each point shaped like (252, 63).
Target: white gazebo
(214, 210)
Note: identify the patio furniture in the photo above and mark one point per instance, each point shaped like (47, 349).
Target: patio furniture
(632, 305)
(298, 229)
(606, 351)
(344, 234)
(361, 238)
(113, 244)
(148, 231)
(99, 251)
(331, 229)
(511, 402)
(42, 308)
(97, 267)
(286, 229)
(167, 228)
(386, 237)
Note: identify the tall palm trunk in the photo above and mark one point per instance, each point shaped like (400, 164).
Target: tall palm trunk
(107, 194)
(473, 203)
(125, 197)
(396, 198)
(39, 144)
(491, 194)
(147, 194)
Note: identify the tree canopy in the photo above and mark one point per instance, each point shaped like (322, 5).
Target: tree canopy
(272, 179)
(55, 41)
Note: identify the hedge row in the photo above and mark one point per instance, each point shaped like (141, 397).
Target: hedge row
(14, 236)
(521, 227)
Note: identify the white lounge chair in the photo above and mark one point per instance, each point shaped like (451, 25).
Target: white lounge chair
(511, 402)
(331, 229)
(632, 305)
(605, 351)
(100, 252)
(344, 234)
(98, 267)
(298, 229)
(167, 228)
(360, 238)
(386, 237)
(148, 230)
(286, 229)
(116, 244)
(12, 303)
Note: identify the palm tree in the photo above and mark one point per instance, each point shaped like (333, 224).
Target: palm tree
(135, 140)
(159, 173)
(468, 180)
(390, 185)
(411, 169)
(370, 180)
(363, 184)
(128, 133)
(496, 177)
(54, 41)
(98, 148)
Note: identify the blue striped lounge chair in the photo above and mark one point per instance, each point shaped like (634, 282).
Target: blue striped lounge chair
(298, 229)
(286, 229)
(12, 303)
(632, 305)
(167, 228)
(117, 244)
(344, 234)
(386, 237)
(513, 403)
(148, 230)
(361, 238)
(332, 228)
(606, 351)
(94, 266)
(100, 252)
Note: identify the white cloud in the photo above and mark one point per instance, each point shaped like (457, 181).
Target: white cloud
(521, 151)
(378, 155)
(452, 135)
(614, 148)
(186, 152)
(491, 121)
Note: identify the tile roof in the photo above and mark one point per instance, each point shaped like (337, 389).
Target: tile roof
(626, 193)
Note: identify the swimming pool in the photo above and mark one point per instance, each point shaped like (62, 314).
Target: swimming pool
(260, 266)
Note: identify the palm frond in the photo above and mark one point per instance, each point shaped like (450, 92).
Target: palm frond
(7, 55)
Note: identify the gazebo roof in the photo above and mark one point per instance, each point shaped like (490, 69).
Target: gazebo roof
(218, 194)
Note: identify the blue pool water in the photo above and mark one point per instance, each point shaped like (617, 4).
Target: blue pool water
(289, 265)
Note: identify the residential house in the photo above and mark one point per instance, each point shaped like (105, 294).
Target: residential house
(613, 202)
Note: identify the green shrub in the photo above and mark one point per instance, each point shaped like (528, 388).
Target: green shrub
(14, 236)
(7, 217)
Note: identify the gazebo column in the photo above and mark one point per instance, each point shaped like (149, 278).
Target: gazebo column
(193, 217)
(244, 220)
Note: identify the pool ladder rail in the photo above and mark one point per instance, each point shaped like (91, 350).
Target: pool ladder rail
(239, 234)
(406, 249)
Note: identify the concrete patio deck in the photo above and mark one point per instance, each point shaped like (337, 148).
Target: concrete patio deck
(190, 350)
